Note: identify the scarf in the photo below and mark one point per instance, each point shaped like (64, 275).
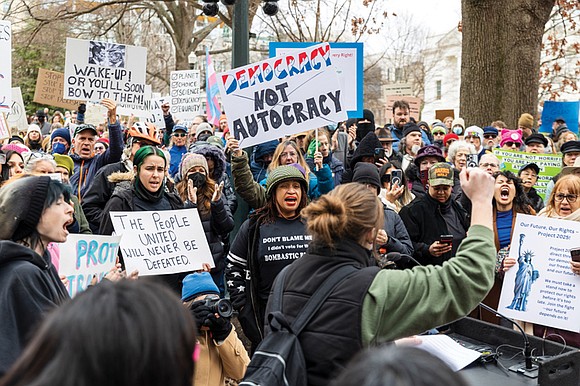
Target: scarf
(145, 194)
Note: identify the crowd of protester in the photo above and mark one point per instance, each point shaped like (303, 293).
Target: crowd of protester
(345, 194)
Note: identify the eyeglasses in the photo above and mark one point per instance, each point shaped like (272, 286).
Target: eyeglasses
(489, 165)
(569, 197)
(180, 134)
(489, 136)
(511, 144)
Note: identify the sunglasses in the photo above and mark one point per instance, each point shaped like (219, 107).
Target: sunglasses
(489, 136)
(511, 144)
(179, 134)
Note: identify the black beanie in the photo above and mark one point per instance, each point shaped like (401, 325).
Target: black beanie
(366, 148)
(409, 128)
(366, 173)
(21, 205)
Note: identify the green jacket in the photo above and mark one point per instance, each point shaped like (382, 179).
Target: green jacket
(409, 302)
(80, 216)
(248, 189)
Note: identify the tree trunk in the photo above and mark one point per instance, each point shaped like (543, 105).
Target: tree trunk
(500, 59)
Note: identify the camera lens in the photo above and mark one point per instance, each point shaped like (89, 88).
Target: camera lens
(224, 308)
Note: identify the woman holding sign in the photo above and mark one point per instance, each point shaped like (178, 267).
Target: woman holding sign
(143, 190)
(563, 203)
(34, 211)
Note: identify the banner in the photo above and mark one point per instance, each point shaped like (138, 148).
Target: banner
(282, 96)
(568, 111)
(5, 66)
(95, 70)
(541, 288)
(158, 243)
(153, 112)
(348, 61)
(185, 94)
(549, 165)
(84, 256)
(212, 108)
(49, 90)
(17, 115)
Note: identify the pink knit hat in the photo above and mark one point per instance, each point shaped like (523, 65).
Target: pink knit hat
(510, 135)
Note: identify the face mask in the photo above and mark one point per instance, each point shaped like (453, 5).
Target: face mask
(58, 148)
(458, 130)
(363, 129)
(198, 179)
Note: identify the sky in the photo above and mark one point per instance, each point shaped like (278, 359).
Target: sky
(440, 16)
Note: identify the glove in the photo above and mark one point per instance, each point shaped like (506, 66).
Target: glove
(82, 108)
(220, 327)
(200, 313)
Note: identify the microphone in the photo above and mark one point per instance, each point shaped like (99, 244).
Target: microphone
(528, 367)
(402, 260)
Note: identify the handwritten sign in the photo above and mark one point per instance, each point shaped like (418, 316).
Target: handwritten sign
(153, 112)
(549, 165)
(158, 243)
(84, 256)
(96, 70)
(4, 128)
(5, 65)
(283, 95)
(185, 94)
(49, 90)
(541, 288)
(568, 111)
(17, 115)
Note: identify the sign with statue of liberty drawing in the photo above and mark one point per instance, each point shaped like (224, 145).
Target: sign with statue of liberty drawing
(541, 287)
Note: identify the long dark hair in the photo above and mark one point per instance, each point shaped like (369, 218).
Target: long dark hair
(521, 202)
(112, 334)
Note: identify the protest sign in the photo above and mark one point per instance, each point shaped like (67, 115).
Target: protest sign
(17, 115)
(153, 112)
(128, 110)
(49, 90)
(541, 288)
(84, 256)
(96, 70)
(158, 243)
(347, 59)
(282, 96)
(96, 114)
(414, 105)
(185, 94)
(4, 128)
(5, 65)
(568, 111)
(549, 165)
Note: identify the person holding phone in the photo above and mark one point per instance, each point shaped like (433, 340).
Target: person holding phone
(436, 214)
(198, 188)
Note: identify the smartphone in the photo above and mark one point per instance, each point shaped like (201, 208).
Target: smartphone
(379, 154)
(472, 161)
(575, 254)
(397, 177)
(446, 239)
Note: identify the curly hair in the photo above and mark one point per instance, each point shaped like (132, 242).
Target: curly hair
(521, 203)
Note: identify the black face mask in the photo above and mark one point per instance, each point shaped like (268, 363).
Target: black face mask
(363, 129)
(198, 179)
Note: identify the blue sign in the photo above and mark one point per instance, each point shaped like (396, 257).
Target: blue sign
(348, 59)
(568, 111)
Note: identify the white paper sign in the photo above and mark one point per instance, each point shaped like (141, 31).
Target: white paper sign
(541, 288)
(95, 70)
(17, 115)
(158, 243)
(5, 66)
(83, 256)
(283, 95)
(185, 94)
(96, 114)
(153, 112)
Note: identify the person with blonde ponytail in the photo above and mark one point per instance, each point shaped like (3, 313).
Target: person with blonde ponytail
(371, 306)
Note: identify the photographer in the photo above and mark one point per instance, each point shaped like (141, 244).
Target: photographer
(221, 353)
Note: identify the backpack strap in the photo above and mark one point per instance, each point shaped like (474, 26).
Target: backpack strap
(278, 291)
(321, 294)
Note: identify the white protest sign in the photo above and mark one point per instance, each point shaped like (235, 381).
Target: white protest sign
(5, 65)
(123, 109)
(4, 128)
(83, 256)
(95, 70)
(185, 94)
(158, 243)
(96, 114)
(17, 115)
(154, 113)
(541, 288)
(283, 95)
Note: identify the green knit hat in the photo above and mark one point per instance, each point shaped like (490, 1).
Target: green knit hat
(283, 173)
(64, 161)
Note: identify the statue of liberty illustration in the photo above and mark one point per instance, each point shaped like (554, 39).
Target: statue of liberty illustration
(525, 276)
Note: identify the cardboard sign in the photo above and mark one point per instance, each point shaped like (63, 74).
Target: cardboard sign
(541, 288)
(158, 243)
(17, 115)
(5, 66)
(185, 94)
(96, 70)
(49, 90)
(549, 165)
(153, 112)
(282, 96)
(84, 256)
(568, 111)
(348, 61)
